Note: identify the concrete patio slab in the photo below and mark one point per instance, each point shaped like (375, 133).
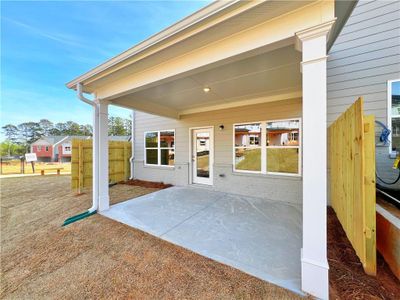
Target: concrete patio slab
(255, 235)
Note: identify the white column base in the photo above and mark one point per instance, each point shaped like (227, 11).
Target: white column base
(315, 278)
(104, 203)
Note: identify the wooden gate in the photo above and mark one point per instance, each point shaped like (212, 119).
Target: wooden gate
(81, 162)
(352, 180)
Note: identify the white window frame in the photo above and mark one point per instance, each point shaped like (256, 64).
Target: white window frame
(158, 148)
(264, 147)
(39, 148)
(389, 110)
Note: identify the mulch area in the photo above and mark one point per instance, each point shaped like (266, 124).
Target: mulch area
(347, 278)
(147, 184)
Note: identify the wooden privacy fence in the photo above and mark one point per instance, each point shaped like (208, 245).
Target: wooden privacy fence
(352, 180)
(81, 162)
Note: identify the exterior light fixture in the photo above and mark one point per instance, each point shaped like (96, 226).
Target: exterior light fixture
(221, 127)
(206, 89)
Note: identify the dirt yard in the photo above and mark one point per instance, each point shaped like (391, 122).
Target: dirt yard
(100, 258)
(14, 167)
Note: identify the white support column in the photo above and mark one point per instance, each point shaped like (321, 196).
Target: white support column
(104, 199)
(314, 265)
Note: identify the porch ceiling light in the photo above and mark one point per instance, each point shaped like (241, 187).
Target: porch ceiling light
(206, 89)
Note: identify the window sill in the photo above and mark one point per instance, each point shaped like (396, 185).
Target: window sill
(159, 167)
(295, 177)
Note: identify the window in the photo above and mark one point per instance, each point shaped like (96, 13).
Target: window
(394, 112)
(160, 148)
(283, 147)
(39, 148)
(47, 148)
(67, 148)
(247, 147)
(268, 147)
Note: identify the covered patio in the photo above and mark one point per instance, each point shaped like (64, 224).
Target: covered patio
(236, 61)
(255, 235)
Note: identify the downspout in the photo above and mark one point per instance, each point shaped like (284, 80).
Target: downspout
(95, 159)
(132, 159)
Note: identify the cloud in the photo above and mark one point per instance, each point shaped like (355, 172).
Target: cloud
(57, 37)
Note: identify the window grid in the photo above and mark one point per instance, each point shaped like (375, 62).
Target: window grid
(158, 148)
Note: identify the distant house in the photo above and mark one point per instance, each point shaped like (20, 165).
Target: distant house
(59, 148)
(45, 147)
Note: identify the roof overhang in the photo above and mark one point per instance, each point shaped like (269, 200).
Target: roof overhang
(210, 47)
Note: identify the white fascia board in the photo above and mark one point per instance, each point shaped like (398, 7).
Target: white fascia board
(193, 19)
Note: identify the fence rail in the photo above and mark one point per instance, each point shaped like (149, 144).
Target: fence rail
(352, 180)
(81, 162)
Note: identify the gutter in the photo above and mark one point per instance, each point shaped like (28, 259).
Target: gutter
(95, 180)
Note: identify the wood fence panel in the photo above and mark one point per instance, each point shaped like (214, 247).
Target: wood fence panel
(352, 180)
(81, 162)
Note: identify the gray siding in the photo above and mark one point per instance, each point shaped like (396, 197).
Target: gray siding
(364, 57)
(274, 187)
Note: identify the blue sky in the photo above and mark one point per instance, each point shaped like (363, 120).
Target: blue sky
(46, 44)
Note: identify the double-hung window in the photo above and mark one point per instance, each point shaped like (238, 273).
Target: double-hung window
(268, 147)
(159, 148)
(394, 113)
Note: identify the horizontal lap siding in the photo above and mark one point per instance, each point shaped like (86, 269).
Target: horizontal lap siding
(223, 139)
(364, 57)
(267, 185)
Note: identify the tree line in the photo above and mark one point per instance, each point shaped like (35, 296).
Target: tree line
(20, 137)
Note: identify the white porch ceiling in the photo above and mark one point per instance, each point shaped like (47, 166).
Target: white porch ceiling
(268, 74)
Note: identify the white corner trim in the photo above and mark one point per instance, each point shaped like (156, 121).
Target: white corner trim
(310, 61)
(315, 277)
(318, 264)
(239, 103)
(313, 32)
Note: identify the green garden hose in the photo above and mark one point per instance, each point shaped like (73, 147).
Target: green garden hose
(78, 217)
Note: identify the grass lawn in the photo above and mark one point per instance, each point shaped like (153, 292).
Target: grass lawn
(99, 258)
(14, 167)
(278, 160)
(203, 162)
(283, 160)
(250, 160)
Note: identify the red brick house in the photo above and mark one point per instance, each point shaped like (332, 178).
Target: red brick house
(45, 147)
(59, 148)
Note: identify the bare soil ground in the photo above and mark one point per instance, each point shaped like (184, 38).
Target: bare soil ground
(347, 279)
(14, 167)
(99, 258)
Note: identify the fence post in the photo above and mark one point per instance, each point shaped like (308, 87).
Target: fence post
(125, 162)
(370, 195)
(80, 166)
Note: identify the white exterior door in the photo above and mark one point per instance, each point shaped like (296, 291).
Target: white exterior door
(202, 156)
